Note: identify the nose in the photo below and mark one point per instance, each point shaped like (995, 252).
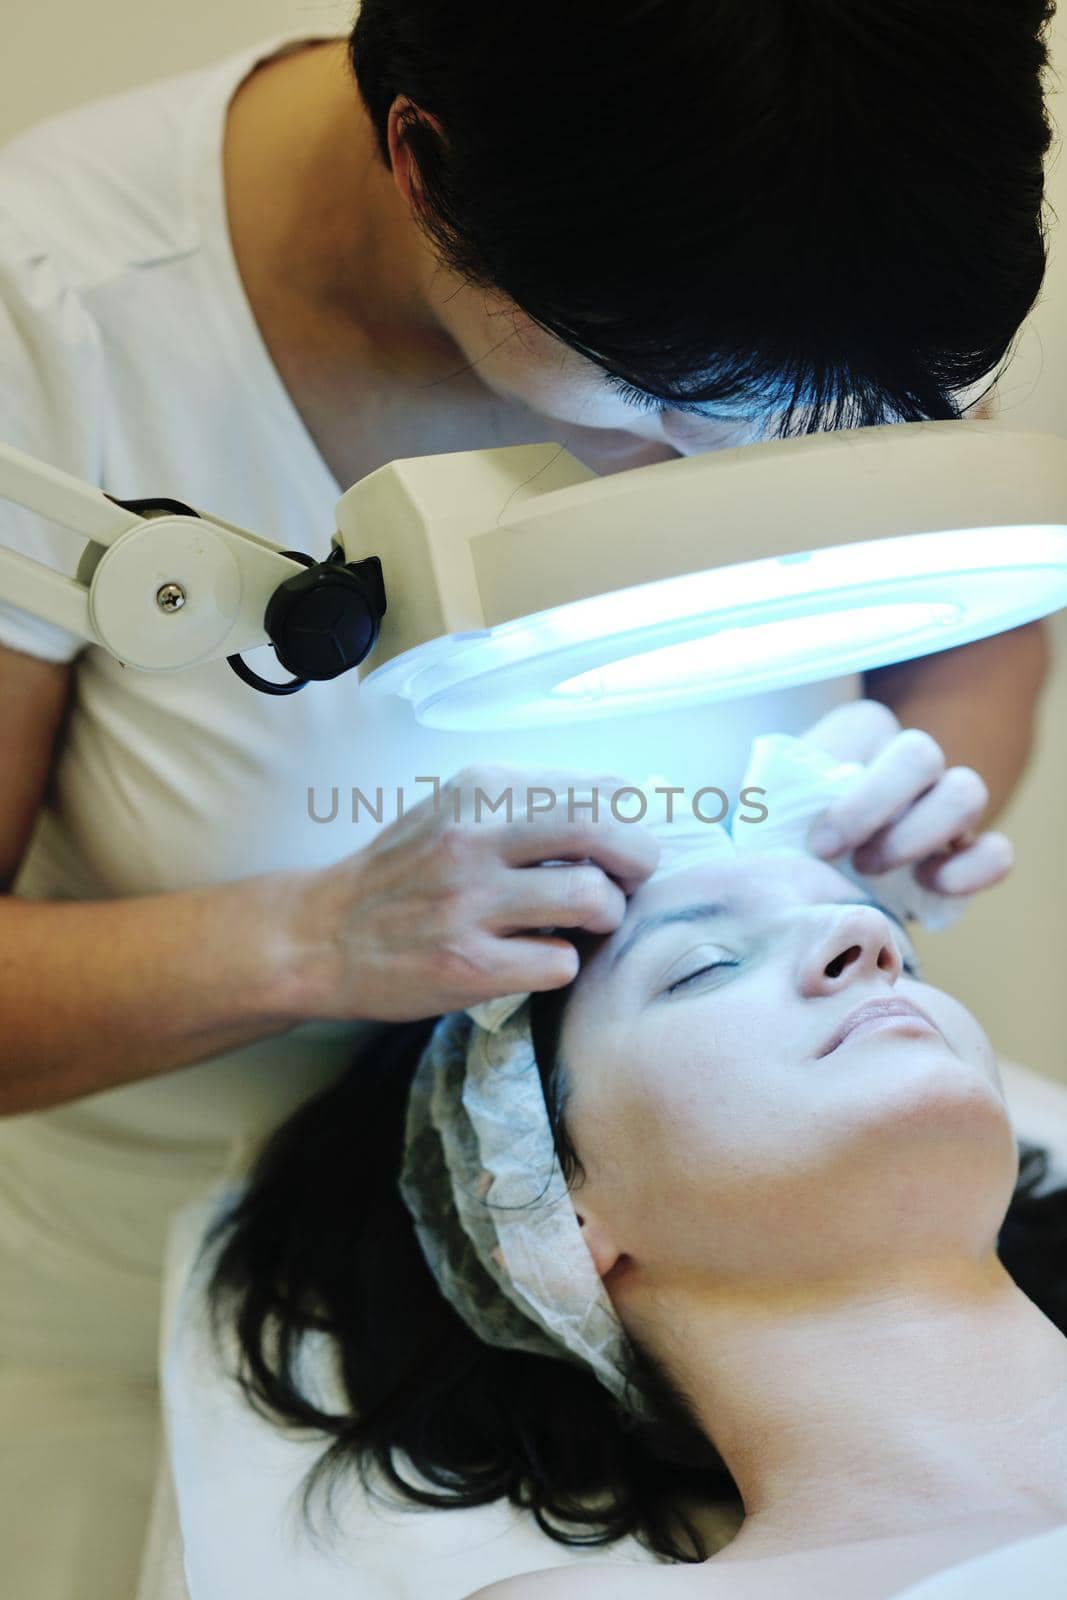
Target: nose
(852, 943)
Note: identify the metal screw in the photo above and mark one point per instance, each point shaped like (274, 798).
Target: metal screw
(171, 597)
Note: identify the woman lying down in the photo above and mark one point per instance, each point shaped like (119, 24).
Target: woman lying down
(729, 1218)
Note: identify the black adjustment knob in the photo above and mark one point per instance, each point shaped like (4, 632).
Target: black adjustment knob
(326, 620)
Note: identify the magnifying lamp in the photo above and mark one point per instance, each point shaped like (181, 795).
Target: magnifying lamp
(511, 588)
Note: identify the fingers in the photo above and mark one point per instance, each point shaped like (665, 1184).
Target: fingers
(912, 763)
(626, 851)
(526, 788)
(906, 809)
(522, 965)
(982, 864)
(527, 817)
(854, 732)
(561, 897)
(953, 806)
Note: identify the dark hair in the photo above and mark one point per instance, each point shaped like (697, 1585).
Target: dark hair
(835, 205)
(320, 1241)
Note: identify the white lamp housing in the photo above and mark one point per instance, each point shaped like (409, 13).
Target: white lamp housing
(521, 590)
(525, 591)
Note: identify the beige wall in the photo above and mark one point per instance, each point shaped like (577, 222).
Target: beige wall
(61, 54)
(1009, 960)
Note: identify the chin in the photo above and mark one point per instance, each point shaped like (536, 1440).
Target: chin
(923, 1087)
(933, 1145)
(928, 1099)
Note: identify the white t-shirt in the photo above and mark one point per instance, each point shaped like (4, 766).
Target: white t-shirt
(130, 356)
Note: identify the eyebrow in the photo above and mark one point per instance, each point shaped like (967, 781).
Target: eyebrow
(708, 910)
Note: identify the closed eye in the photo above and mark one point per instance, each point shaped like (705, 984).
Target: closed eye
(710, 967)
(634, 397)
(649, 402)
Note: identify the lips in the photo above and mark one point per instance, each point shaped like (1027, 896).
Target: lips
(871, 1009)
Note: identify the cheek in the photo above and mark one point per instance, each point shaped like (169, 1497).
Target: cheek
(696, 1107)
(520, 361)
(556, 388)
(483, 329)
(713, 1150)
(964, 1033)
(722, 1118)
(692, 435)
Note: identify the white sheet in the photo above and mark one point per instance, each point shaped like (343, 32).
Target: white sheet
(1031, 1569)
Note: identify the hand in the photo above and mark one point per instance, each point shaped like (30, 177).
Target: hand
(908, 808)
(437, 914)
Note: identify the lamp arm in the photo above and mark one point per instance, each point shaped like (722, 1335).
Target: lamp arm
(163, 586)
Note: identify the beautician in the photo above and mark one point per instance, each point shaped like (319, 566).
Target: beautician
(641, 229)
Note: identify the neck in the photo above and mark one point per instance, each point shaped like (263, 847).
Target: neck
(931, 1394)
(334, 236)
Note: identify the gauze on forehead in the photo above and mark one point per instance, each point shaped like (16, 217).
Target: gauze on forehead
(796, 781)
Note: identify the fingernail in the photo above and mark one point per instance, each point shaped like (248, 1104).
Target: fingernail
(825, 840)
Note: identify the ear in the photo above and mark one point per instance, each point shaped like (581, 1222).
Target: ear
(599, 1242)
(405, 171)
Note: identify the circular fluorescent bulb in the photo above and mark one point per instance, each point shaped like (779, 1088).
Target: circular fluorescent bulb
(677, 668)
(738, 630)
(526, 592)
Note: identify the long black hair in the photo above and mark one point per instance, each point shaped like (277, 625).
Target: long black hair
(832, 208)
(321, 1241)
